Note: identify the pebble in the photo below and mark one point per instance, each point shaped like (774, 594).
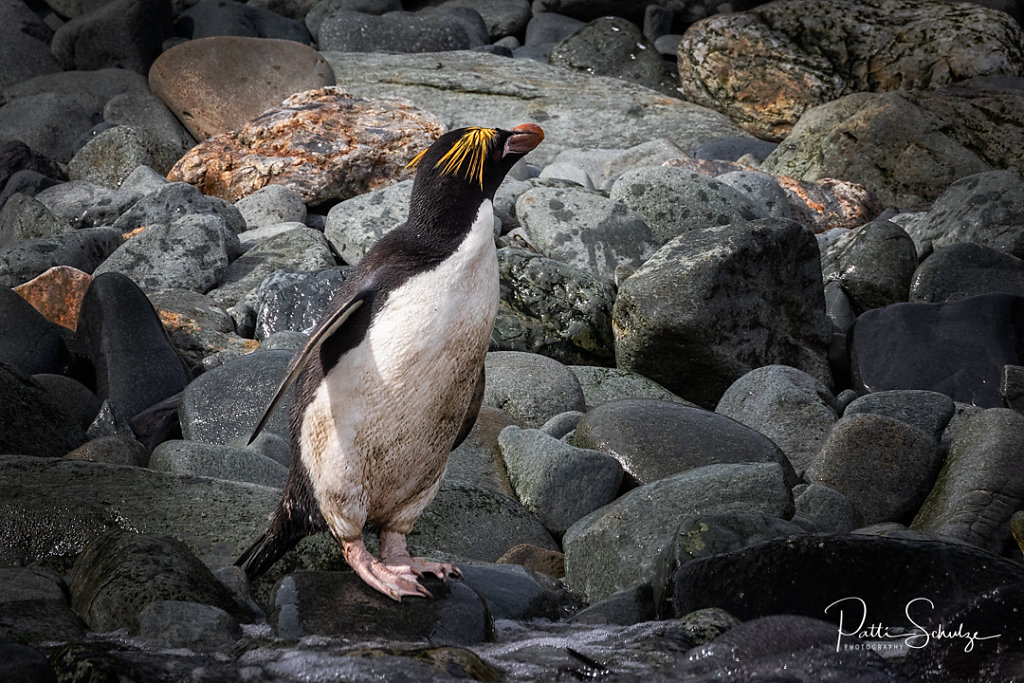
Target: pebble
(870, 350)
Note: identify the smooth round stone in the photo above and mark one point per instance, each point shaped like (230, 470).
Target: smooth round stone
(120, 33)
(963, 270)
(529, 387)
(216, 84)
(428, 30)
(874, 263)
(227, 17)
(929, 411)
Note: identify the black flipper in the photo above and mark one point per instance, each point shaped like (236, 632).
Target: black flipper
(327, 327)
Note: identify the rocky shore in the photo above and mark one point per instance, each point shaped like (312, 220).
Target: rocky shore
(754, 395)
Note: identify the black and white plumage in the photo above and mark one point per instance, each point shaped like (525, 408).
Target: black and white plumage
(392, 378)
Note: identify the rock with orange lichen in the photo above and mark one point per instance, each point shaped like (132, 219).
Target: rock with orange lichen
(197, 327)
(57, 294)
(822, 205)
(324, 143)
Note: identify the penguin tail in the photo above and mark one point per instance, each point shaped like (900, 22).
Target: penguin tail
(283, 534)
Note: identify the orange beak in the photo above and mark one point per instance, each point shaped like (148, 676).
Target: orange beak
(525, 138)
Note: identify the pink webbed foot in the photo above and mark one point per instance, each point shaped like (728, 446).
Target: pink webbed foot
(392, 579)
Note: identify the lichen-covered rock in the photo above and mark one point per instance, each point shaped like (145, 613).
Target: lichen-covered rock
(766, 67)
(324, 143)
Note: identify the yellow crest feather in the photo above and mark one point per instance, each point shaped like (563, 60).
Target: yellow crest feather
(467, 155)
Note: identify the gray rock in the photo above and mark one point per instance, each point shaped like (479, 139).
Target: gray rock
(218, 461)
(192, 252)
(24, 218)
(543, 32)
(874, 264)
(83, 204)
(656, 439)
(27, 182)
(224, 404)
(651, 153)
(83, 249)
(81, 402)
(631, 605)
(733, 148)
(316, 14)
(253, 238)
(227, 17)
(762, 188)
(929, 411)
(508, 590)
(161, 133)
(477, 460)
(964, 270)
(981, 483)
(674, 200)
(301, 250)
(884, 466)
(504, 18)
(1011, 386)
(585, 230)
(294, 301)
(185, 624)
(111, 155)
(827, 509)
(557, 482)
(785, 404)
(601, 385)
(714, 304)
(118, 574)
(143, 180)
(613, 46)
(120, 33)
(562, 424)
(838, 307)
(117, 449)
(428, 30)
(619, 544)
(507, 93)
(92, 89)
(271, 205)
(563, 170)
(468, 521)
(50, 123)
(217, 519)
(984, 208)
(354, 225)
(172, 201)
(575, 327)
(34, 423)
(34, 608)
(335, 604)
(529, 387)
(24, 45)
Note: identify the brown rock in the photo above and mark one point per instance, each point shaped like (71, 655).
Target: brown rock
(196, 326)
(324, 143)
(57, 294)
(766, 67)
(535, 558)
(822, 205)
(214, 85)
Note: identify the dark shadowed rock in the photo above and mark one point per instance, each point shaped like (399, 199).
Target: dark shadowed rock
(929, 411)
(28, 341)
(34, 608)
(227, 17)
(964, 270)
(83, 249)
(874, 264)
(121, 33)
(429, 30)
(957, 348)
(33, 421)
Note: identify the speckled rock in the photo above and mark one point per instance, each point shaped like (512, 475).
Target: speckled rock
(218, 461)
(324, 143)
(601, 385)
(294, 301)
(529, 387)
(83, 249)
(271, 205)
(929, 411)
(354, 225)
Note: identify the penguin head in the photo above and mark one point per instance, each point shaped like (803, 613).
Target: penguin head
(473, 160)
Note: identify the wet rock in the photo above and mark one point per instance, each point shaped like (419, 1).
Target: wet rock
(557, 482)
(673, 201)
(708, 300)
(354, 225)
(527, 91)
(121, 335)
(884, 466)
(77, 399)
(585, 230)
(335, 604)
(601, 385)
(787, 405)
(874, 264)
(980, 484)
(34, 608)
(804, 575)
(224, 404)
(120, 33)
(630, 605)
(83, 249)
(216, 84)
(929, 411)
(620, 543)
(115, 449)
(657, 439)
(825, 508)
(471, 522)
(613, 46)
(431, 29)
(24, 663)
(218, 461)
(295, 301)
(118, 574)
(984, 208)
(794, 55)
(956, 348)
(509, 591)
(477, 460)
(529, 387)
(312, 143)
(853, 137)
(186, 624)
(28, 341)
(225, 17)
(573, 328)
(535, 558)
(963, 270)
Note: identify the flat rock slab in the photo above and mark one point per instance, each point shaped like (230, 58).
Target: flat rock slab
(468, 88)
(325, 143)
